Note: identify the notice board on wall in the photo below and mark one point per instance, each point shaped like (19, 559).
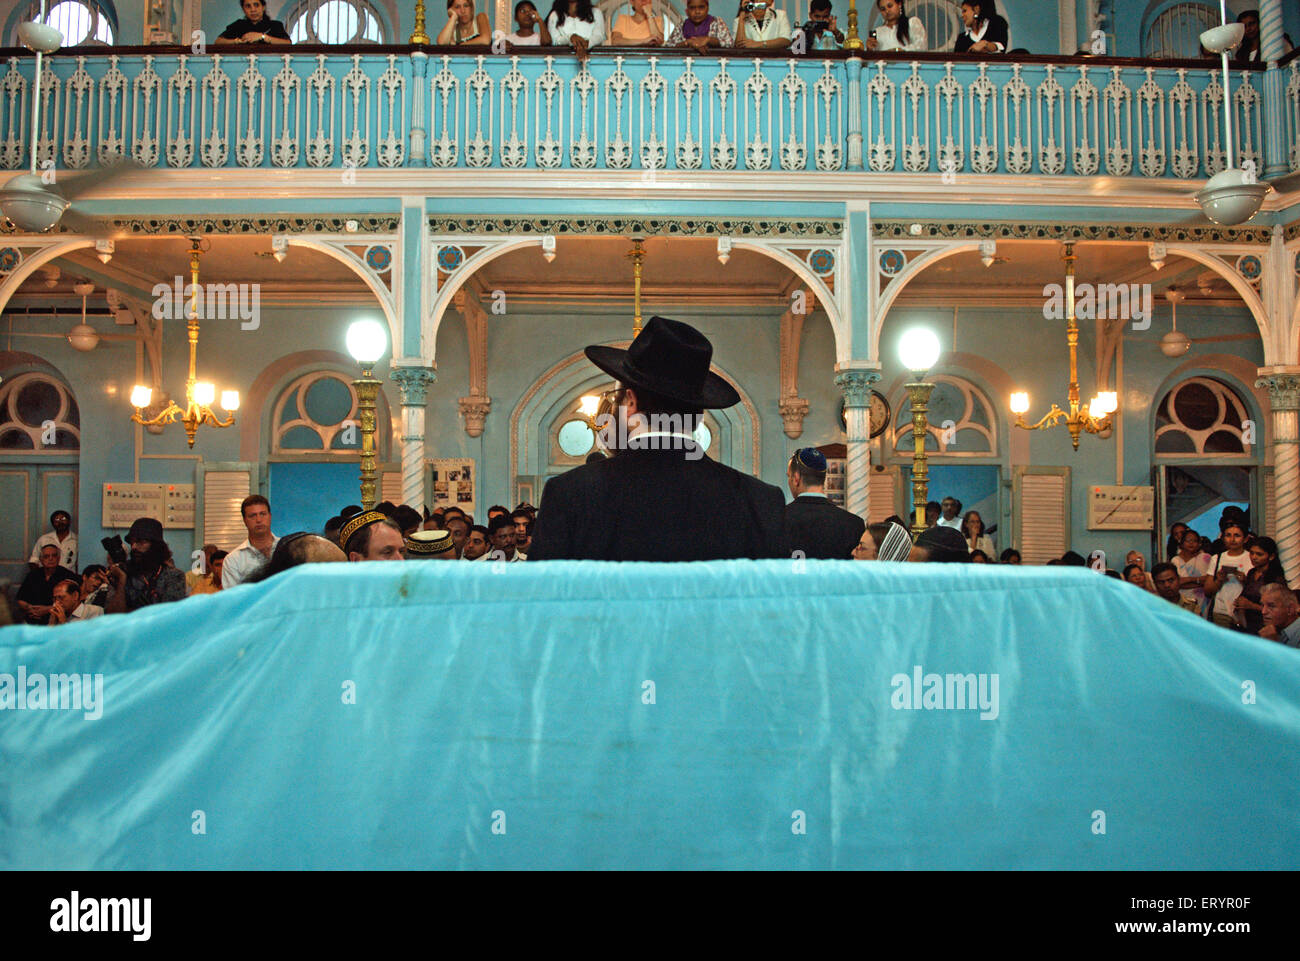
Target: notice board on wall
(1125, 508)
(451, 480)
(173, 504)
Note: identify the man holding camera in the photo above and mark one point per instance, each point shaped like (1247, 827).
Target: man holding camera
(146, 576)
(760, 25)
(821, 32)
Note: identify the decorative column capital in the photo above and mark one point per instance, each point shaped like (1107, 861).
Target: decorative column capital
(413, 381)
(856, 386)
(793, 411)
(475, 410)
(1283, 388)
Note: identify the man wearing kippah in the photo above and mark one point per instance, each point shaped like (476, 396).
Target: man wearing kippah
(372, 536)
(813, 524)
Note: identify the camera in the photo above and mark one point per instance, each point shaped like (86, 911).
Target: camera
(116, 551)
(750, 7)
(815, 26)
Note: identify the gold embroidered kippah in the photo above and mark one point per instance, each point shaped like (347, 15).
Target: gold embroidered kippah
(364, 519)
(428, 542)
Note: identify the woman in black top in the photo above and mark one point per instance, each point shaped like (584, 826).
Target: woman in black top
(1266, 569)
(255, 27)
(981, 20)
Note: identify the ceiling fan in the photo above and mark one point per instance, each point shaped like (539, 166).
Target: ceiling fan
(28, 201)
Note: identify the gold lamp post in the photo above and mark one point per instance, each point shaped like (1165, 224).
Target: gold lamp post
(198, 395)
(418, 35)
(366, 342)
(592, 406)
(918, 349)
(1097, 417)
(851, 39)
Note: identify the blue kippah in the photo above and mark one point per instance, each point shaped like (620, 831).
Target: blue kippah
(811, 458)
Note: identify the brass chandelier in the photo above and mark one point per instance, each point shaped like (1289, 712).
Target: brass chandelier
(1097, 417)
(198, 395)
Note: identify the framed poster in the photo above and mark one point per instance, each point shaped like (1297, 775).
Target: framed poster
(835, 473)
(451, 480)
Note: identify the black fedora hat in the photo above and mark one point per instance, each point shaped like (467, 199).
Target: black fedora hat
(671, 359)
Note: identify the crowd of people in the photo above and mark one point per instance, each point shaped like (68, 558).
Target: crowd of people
(758, 24)
(660, 499)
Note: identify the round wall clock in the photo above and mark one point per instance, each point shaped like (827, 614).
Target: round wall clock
(878, 410)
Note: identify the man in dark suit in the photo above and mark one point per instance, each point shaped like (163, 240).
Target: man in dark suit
(812, 523)
(659, 498)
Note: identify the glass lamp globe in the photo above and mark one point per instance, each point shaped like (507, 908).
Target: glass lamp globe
(367, 340)
(918, 349)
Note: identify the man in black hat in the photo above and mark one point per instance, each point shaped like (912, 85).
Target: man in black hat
(812, 523)
(147, 577)
(660, 498)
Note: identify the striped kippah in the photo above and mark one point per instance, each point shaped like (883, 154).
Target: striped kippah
(428, 543)
(896, 545)
(354, 524)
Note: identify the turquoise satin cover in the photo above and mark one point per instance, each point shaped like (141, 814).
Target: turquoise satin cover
(780, 714)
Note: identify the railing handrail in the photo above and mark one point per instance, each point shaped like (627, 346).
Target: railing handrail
(604, 51)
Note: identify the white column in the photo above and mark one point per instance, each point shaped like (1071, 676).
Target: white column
(413, 382)
(1284, 397)
(856, 386)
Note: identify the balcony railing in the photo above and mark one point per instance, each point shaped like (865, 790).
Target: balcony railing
(630, 110)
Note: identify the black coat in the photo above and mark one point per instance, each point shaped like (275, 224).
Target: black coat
(996, 33)
(820, 529)
(651, 505)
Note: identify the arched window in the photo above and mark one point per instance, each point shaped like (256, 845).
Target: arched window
(80, 21)
(38, 413)
(334, 21)
(1203, 416)
(960, 420)
(941, 19)
(1176, 32)
(317, 413)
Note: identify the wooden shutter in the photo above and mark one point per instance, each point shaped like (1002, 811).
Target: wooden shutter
(390, 488)
(1042, 510)
(882, 494)
(220, 489)
(1269, 521)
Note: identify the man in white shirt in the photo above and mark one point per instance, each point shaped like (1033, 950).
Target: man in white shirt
(68, 605)
(1227, 574)
(760, 25)
(254, 552)
(501, 536)
(62, 538)
(949, 513)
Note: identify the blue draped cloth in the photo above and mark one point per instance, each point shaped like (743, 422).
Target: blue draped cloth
(782, 714)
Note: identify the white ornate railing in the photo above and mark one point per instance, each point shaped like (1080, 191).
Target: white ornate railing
(639, 112)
